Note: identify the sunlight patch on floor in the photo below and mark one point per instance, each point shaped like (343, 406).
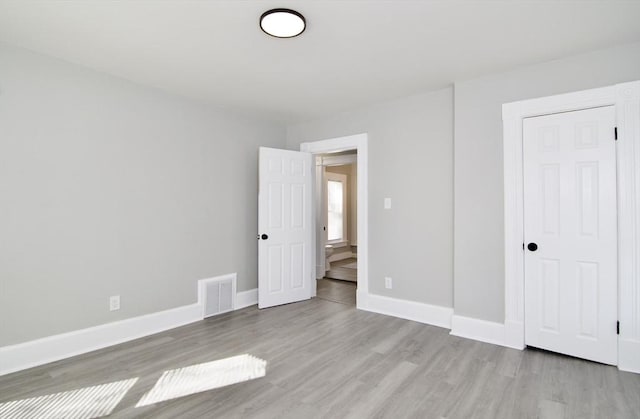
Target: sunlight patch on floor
(202, 377)
(88, 402)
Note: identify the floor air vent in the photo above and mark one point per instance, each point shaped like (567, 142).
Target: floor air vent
(218, 294)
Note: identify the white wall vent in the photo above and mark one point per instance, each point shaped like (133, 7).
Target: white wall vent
(217, 295)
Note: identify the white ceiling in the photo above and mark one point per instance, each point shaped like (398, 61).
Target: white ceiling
(353, 52)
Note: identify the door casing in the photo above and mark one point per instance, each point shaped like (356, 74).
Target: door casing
(626, 99)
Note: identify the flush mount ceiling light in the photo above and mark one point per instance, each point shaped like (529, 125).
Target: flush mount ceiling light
(282, 23)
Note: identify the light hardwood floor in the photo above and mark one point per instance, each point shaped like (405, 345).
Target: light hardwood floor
(343, 292)
(327, 359)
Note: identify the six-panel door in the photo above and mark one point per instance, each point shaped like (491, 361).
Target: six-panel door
(570, 215)
(284, 227)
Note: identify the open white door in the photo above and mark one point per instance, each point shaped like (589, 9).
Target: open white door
(571, 233)
(285, 227)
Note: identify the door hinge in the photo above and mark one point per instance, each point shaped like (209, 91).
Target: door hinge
(618, 328)
(615, 133)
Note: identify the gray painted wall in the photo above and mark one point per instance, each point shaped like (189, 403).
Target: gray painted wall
(410, 161)
(110, 188)
(479, 214)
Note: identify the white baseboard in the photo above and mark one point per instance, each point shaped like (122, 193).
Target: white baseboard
(476, 329)
(54, 348)
(509, 335)
(514, 334)
(405, 309)
(246, 299)
(629, 355)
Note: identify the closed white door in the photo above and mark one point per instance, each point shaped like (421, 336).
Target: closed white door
(285, 227)
(571, 233)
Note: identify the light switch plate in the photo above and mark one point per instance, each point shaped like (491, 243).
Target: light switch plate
(387, 203)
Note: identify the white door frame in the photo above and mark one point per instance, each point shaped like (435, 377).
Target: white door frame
(358, 142)
(626, 98)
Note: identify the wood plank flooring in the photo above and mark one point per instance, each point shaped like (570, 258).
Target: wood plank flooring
(326, 359)
(342, 292)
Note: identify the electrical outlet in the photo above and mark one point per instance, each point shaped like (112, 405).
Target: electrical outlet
(114, 303)
(388, 282)
(387, 203)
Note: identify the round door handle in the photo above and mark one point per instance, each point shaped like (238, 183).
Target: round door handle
(532, 247)
(264, 237)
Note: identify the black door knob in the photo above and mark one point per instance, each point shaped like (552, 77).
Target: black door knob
(532, 246)
(264, 237)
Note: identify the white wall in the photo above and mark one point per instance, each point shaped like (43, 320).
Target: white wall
(479, 215)
(110, 188)
(410, 161)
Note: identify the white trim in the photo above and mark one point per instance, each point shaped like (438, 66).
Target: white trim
(481, 330)
(358, 142)
(53, 348)
(339, 160)
(319, 217)
(339, 244)
(628, 148)
(628, 359)
(626, 98)
(246, 298)
(405, 309)
(342, 256)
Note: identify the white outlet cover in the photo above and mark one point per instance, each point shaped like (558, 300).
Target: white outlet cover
(114, 303)
(388, 282)
(387, 203)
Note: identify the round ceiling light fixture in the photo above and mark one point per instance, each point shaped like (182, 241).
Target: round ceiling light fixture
(282, 23)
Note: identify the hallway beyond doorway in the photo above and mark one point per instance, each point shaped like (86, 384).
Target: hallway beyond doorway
(343, 270)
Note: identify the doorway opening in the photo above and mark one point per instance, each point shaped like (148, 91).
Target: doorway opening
(340, 270)
(336, 228)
